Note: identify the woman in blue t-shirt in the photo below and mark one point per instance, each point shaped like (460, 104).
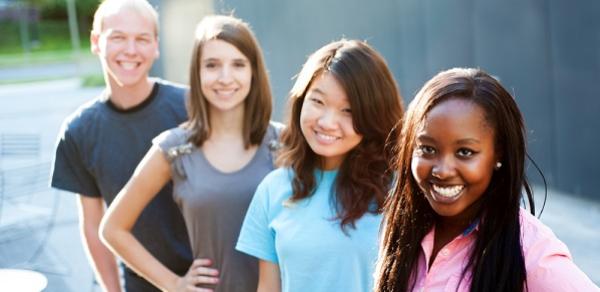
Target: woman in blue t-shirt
(314, 223)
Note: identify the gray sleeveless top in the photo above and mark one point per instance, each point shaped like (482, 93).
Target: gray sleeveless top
(214, 203)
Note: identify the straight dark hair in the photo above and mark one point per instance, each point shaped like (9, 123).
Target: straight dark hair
(496, 260)
(258, 103)
(364, 177)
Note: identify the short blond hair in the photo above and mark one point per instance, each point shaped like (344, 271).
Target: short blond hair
(109, 7)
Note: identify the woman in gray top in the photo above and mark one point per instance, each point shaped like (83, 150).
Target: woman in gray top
(215, 159)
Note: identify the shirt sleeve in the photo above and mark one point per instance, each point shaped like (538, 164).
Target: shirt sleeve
(169, 139)
(256, 237)
(69, 171)
(550, 266)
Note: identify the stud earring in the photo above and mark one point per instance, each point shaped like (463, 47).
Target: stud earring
(498, 165)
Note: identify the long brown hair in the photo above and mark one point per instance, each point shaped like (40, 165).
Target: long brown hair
(364, 177)
(496, 260)
(258, 104)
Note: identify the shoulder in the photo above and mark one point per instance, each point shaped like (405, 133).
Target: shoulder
(171, 98)
(171, 88)
(548, 261)
(278, 176)
(534, 231)
(174, 137)
(276, 126)
(276, 186)
(83, 117)
(538, 241)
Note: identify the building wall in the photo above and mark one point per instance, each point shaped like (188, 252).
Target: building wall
(178, 19)
(547, 53)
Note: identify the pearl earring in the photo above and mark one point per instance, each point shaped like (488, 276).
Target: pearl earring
(498, 165)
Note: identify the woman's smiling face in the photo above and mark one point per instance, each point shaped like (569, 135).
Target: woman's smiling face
(454, 157)
(326, 121)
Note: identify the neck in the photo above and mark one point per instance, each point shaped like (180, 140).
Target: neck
(229, 123)
(458, 223)
(125, 97)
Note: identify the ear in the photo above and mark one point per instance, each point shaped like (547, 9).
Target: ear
(157, 53)
(498, 160)
(94, 46)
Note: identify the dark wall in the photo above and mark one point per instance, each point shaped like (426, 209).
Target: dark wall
(547, 53)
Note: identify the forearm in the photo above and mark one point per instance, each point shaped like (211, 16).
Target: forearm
(138, 258)
(150, 176)
(102, 260)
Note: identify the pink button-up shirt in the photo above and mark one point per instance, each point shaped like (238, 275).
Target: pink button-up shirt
(547, 260)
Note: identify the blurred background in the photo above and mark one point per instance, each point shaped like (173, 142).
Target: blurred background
(547, 52)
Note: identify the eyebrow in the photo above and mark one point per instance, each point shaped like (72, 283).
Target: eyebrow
(424, 137)
(114, 31)
(464, 141)
(217, 59)
(317, 90)
(468, 141)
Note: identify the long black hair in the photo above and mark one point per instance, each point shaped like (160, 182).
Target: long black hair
(496, 260)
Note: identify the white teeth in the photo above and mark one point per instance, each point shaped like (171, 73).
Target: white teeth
(225, 92)
(128, 65)
(448, 191)
(326, 137)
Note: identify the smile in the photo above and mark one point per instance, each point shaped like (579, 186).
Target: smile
(324, 138)
(447, 194)
(128, 65)
(225, 92)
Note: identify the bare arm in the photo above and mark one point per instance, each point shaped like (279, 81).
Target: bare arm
(151, 175)
(268, 277)
(103, 262)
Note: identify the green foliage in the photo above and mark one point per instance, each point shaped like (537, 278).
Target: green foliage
(52, 35)
(94, 80)
(57, 9)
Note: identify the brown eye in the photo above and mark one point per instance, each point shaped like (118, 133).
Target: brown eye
(425, 150)
(465, 153)
(315, 100)
(239, 64)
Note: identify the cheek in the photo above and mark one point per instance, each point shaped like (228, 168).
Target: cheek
(306, 118)
(420, 169)
(308, 114)
(348, 126)
(206, 78)
(246, 77)
(478, 172)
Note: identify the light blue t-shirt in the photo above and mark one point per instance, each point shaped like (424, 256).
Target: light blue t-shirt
(306, 242)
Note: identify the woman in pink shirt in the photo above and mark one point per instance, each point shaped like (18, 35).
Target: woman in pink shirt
(458, 193)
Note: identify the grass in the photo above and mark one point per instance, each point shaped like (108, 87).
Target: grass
(52, 45)
(37, 58)
(92, 80)
(47, 35)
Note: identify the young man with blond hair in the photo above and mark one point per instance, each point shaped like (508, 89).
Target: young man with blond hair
(103, 141)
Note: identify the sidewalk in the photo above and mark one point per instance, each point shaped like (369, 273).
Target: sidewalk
(66, 69)
(53, 246)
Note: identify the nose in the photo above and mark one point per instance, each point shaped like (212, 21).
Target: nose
(226, 74)
(328, 120)
(443, 168)
(131, 47)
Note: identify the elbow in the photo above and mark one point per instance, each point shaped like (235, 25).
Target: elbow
(106, 232)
